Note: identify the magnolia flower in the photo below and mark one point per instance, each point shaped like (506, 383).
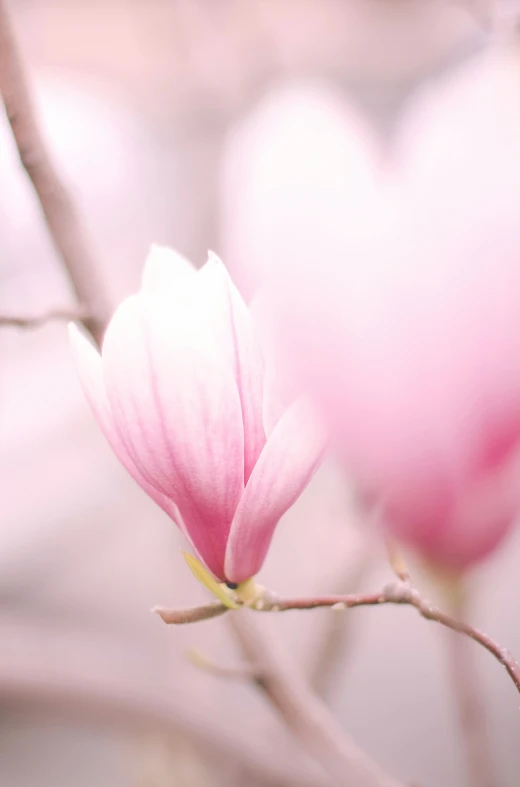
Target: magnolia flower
(397, 294)
(179, 392)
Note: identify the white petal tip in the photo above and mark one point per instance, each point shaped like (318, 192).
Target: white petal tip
(214, 267)
(214, 259)
(164, 267)
(79, 338)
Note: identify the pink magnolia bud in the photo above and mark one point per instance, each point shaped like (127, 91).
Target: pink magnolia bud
(400, 311)
(179, 393)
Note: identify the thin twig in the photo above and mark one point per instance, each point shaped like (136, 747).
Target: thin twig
(56, 203)
(302, 711)
(31, 322)
(401, 593)
(395, 593)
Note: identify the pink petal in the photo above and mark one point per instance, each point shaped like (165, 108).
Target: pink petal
(88, 365)
(292, 454)
(234, 333)
(176, 405)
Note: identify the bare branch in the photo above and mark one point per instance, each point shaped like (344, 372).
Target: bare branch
(302, 711)
(56, 203)
(31, 322)
(402, 593)
(395, 593)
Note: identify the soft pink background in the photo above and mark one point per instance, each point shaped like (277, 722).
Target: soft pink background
(137, 99)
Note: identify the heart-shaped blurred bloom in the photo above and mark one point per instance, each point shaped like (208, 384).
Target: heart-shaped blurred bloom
(397, 297)
(179, 391)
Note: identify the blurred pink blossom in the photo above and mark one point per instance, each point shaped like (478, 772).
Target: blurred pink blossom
(179, 393)
(395, 291)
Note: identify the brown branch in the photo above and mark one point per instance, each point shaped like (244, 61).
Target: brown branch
(401, 593)
(395, 593)
(31, 322)
(58, 208)
(303, 712)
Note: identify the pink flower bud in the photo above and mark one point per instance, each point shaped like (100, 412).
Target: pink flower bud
(400, 310)
(179, 393)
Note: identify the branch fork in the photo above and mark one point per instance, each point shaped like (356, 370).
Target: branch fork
(403, 593)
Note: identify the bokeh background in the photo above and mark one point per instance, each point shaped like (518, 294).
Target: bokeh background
(140, 101)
